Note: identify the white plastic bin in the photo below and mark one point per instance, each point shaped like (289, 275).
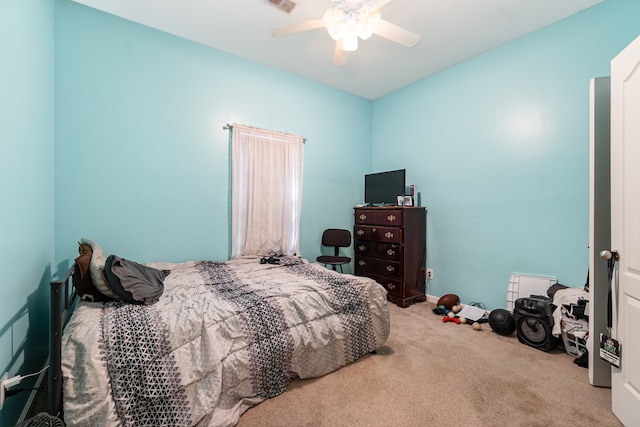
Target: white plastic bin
(575, 342)
(523, 285)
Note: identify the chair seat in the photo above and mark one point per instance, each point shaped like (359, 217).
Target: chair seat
(334, 260)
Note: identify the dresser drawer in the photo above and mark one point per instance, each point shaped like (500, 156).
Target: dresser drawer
(379, 267)
(379, 217)
(393, 286)
(378, 234)
(390, 251)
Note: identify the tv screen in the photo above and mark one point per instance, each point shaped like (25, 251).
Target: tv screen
(384, 187)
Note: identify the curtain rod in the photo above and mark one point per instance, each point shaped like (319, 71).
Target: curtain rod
(229, 126)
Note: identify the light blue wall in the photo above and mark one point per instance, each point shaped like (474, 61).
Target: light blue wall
(142, 160)
(26, 189)
(498, 147)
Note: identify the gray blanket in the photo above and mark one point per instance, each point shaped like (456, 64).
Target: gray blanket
(133, 282)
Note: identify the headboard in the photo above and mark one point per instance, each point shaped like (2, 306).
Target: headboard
(63, 297)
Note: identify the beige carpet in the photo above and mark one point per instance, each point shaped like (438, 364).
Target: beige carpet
(431, 373)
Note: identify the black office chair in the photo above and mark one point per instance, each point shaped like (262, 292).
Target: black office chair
(338, 239)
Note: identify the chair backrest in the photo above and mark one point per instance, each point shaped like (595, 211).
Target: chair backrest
(336, 237)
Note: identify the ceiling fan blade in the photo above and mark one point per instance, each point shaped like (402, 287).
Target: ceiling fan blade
(381, 3)
(339, 55)
(297, 28)
(396, 34)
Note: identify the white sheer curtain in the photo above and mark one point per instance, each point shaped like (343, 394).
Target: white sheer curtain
(266, 188)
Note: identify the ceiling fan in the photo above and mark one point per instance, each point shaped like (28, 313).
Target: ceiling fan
(349, 20)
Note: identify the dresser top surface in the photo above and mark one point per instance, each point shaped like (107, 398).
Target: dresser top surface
(389, 207)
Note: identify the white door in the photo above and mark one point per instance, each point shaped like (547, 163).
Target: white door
(625, 230)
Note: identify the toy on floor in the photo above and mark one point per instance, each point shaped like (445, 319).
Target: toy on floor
(449, 306)
(448, 301)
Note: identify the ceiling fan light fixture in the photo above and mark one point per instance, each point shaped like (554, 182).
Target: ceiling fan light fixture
(368, 26)
(370, 6)
(350, 41)
(335, 27)
(346, 21)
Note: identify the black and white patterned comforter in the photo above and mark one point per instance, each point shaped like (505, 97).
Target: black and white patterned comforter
(222, 338)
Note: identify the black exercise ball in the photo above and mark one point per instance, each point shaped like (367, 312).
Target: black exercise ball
(502, 321)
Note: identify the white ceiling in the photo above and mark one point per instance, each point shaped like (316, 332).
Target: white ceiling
(452, 31)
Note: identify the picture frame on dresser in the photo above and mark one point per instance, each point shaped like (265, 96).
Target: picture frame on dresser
(405, 201)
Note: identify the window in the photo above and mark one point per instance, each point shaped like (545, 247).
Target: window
(266, 188)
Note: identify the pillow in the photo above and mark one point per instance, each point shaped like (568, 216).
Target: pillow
(82, 277)
(96, 269)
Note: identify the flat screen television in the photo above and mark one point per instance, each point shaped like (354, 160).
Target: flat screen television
(384, 187)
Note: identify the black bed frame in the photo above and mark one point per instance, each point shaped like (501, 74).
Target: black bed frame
(63, 297)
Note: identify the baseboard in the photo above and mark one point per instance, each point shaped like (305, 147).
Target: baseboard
(432, 299)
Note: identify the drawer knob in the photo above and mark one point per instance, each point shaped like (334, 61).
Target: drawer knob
(388, 235)
(390, 268)
(363, 217)
(391, 252)
(360, 232)
(362, 248)
(391, 285)
(391, 218)
(362, 263)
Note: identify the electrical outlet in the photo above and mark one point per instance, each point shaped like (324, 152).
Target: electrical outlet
(5, 377)
(429, 273)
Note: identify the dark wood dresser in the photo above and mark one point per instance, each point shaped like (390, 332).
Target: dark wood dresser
(390, 246)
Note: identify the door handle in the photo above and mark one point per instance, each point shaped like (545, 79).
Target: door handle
(607, 255)
(611, 257)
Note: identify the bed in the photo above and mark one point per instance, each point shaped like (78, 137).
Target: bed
(221, 337)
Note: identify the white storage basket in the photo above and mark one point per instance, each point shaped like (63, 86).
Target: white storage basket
(523, 286)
